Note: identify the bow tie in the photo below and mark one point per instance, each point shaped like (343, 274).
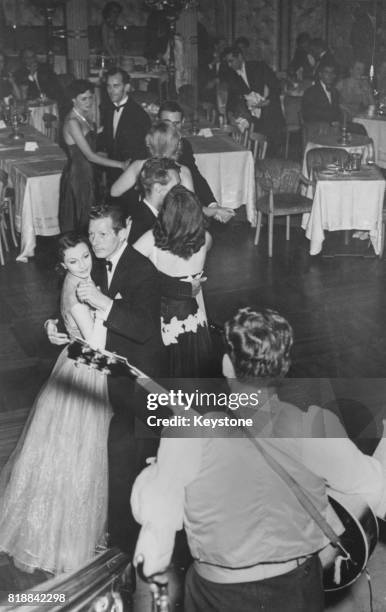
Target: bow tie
(118, 108)
(108, 264)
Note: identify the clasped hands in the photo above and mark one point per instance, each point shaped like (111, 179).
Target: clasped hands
(88, 292)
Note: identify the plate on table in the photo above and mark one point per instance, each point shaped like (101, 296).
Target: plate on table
(328, 172)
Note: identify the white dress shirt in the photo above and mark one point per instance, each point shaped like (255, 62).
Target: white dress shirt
(153, 210)
(328, 93)
(117, 114)
(114, 260)
(243, 73)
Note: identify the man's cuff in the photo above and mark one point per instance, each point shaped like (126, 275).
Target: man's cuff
(212, 205)
(104, 315)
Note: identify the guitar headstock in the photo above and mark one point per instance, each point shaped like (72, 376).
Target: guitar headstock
(106, 362)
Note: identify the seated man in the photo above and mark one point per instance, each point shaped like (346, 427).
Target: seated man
(245, 78)
(157, 177)
(253, 543)
(34, 78)
(171, 112)
(321, 101)
(321, 104)
(355, 90)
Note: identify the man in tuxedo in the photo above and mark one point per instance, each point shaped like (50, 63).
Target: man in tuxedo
(171, 112)
(125, 125)
(157, 177)
(320, 102)
(246, 77)
(34, 78)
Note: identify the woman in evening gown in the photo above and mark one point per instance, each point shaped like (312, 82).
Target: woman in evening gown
(78, 183)
(177, 246)
(53, 489)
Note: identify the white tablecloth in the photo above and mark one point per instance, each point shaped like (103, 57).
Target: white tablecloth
(344, 205)
(376, 129)
(39, 212)
(229, 170)
(231, 177)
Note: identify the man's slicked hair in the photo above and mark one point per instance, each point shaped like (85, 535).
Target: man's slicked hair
(105, 211)
(116, 70)
(170, 106)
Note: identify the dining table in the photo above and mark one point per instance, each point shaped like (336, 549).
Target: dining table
(35, 176)
(228, 167)
(346, 200)
(376, 128)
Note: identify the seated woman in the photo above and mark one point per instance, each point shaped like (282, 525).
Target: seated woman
(53, 489)
(163, 140)
(177, 246)
(355, 90)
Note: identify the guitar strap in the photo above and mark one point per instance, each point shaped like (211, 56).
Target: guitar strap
(300, 494)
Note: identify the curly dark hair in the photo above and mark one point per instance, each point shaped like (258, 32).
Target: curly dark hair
(180, 227)
(259, 343)
(79, 86)
(70, 240)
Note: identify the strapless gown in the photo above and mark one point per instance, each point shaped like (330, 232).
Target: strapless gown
(77, 189)
(184, 331)
(54, 487)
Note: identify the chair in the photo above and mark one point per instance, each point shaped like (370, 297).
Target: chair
(280, 179)
(322, 156)
(6, 215)
(51, 126)
(292, 108)
(210, 112)
(258, 145)
(242, 138)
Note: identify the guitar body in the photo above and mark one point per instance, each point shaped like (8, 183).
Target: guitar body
(359, 539)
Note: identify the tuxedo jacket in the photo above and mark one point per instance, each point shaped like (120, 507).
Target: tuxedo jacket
(143, 220)
(133, 324)
(129, 139)
(258, 74)
(48, 82)
(316, 106)
(201, 187)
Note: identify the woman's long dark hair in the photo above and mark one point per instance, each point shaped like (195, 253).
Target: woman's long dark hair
(180, 227)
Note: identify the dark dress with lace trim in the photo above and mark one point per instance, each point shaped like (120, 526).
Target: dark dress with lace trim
(184, 331)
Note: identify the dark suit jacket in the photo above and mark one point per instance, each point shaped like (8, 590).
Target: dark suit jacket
(48, 82)
(201, 187)
(133, 324)
(316, 107)
(259, 74)
(143, 219)
(129, 140)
